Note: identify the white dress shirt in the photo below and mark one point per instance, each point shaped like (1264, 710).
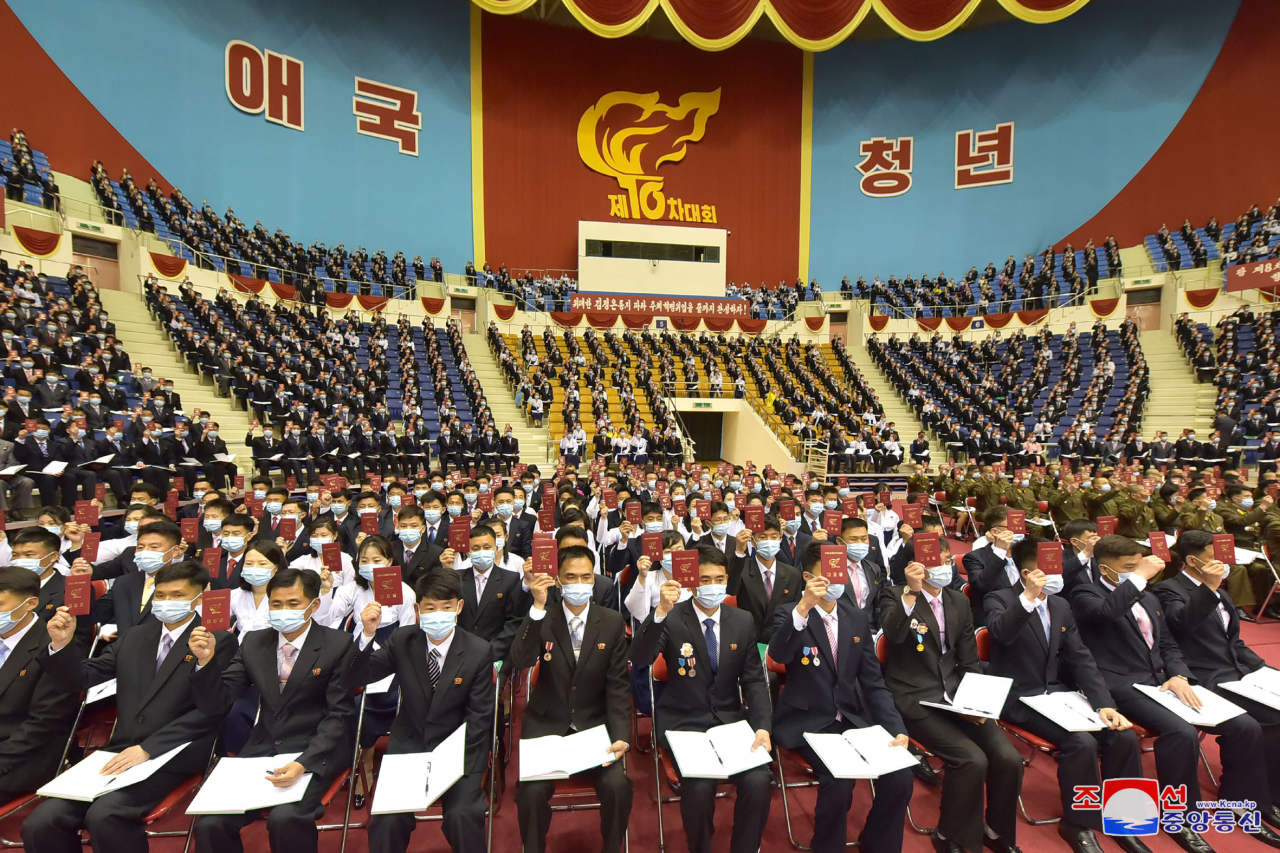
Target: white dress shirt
(352, 598)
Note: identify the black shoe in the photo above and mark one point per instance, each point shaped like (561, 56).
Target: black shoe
(1245, 616)
(1079, 838)
(1131, 843)
(944, 845)
(925, 773)
(1267, 836)
(1272, 816)
(999, 845)
(1190, 840)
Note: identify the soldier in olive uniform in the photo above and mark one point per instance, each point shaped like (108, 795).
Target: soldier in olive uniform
(1134, 516)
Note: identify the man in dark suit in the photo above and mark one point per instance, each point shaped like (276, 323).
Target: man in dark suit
(207, 449)
(296, 666)
(1205, 622)
(36, 451)
(761, 581)
(155, 713)
(493, 605)
(989, 568)
(1123, 624)
(848, 693)
(414, 556)
(519, 530)
(263, 448)
(445, 676)
(1078, 564)
(36, 550)
(1035, 641)
(929, 631)
(866, 575)
(581, 685)
(722, 640)
(128, 602)
(36, 710)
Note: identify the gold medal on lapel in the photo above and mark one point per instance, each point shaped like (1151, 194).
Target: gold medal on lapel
(686, 650)
(681, 670)
(804, 661)
(547, 656)
(919, 647)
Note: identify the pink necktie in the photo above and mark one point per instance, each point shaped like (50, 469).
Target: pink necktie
(1144, 624)
(768, 585)
(287, 652)
(936, 605)
(857, 584)
(831, 638)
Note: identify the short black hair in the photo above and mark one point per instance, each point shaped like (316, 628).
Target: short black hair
(570, 531)
(145, 489)
(711, 556)
(220, 503)
(995, 516)
(1025, 553)
(163, 528)
(37, 536)
(1077, 528)
(23, 582)
(188, 570)
(575, 552)
(1110, 547)
(287, 578)
(811, 557)
(854, 523)
(238, 520)
(1193, 541)
(438, 584)
(414, 511)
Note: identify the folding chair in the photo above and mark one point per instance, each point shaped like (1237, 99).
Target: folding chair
(11, 808)
(948, 522)
(982, 638)
(1275, 584)
(882, 654)
(1043, 508)
(970, 510)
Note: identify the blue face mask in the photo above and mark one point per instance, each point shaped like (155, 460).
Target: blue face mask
(666, 562)
(815, 509)
(768, 548)
(653, 527)
(470, 497)
(233, 543)
(831, 504)
(834, 591)
(273, 507)
(409, 535)
(482, 559)
(338, 509)
(394, 500)
(433, 515)
(255, 575)
(719, 530)
(844, 493)
(1247, 503)
(793, 525)
(940, 576)
(149, 561)
(169, 612)
(54, 529)
(131, 527)
(519, 505)
(710, 595)
(454, 510)
(213, 525)
(10, 619)
(31, 564)
(366, 571)
(437, 625)
(286, 621)
(857, 551)
(576, 594)
(437, 487)
(504, 510)
(1053, 584)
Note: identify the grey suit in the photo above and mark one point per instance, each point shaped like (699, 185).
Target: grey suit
(20, 485)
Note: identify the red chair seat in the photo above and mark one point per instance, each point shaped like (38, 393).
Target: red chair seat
(335, 786)
(1142, 732)
(174, 797)
(669, 767)
(16, 803)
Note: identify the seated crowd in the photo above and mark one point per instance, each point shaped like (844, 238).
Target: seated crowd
(1253, 236)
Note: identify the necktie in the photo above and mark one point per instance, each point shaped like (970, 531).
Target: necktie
(148, 587)
(480, 579)
(287, 653)
(4, 653)
(1043, 609)
(856, 573)
(936, 606)
(831, 636)
(1144, 624)
(575, 635)
(713, 648)
(44, 449)
(768, 584)
(433, 669)
(166, 643)
(1222, 614)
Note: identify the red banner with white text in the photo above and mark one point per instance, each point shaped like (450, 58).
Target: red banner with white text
(1259, 274)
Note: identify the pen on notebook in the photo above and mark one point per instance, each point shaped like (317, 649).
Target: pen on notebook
(715, 752)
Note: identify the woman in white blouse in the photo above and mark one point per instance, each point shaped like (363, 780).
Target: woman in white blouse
(646, 591)
(262, 559)
(352, 597)
(323, 532)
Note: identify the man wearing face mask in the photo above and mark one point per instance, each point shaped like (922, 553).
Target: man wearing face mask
(36, 550)
(583, 684)
(445, 682)
(518, 528)
(1035, 641)
(760, 579)
(867, 578)
(708, 691)
(414, 556)
(1123, 625)
(494, 602)
(930, 636)
(296, 664)
(1243, 516)
(990, 568)
(845, 691)
(1198, 513)
(128, 602)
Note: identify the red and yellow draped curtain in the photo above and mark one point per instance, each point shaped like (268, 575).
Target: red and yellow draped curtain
(808, 24)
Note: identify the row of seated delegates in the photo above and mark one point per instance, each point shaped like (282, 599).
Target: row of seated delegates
(776, 576)
(1254, 236)
(1172, 252)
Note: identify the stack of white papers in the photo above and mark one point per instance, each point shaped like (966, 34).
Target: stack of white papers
(55, 468)
(1214, 710)
(225, 457)
(860, 753)
(978, 696)
(717, 753)
(105, 690)
(1068, 709)
(412, 782)
(561, 757)
(239, 785)
(84, 781)
(11, 470)
(1262, 687)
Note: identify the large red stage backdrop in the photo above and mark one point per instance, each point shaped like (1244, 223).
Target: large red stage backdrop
(643, 131)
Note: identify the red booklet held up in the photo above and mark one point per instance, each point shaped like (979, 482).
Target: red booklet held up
(1106, 525)
(100, 491)
(77, 591)
(633, 514)
(546, 557)
(89, 547)
(1160, 545)
(928, 549)
(460, 535)
(913, 515)
(331, 556)
(369, 524)
(1049, 557)
(684, 568)
(850, 507)
(679, 507)
(212, 558)
(215, 610)
(610, 499)
(86, 513)
(651, 546)
(179, 483)
(753, 518)
(190, 529)
(704, 509)
(547, 518)
(787, 510)
(289, 528)
(835, 564)
(886, 498)
(484, 502)
(1016, 521)
(388, 587)
(831, 521)
(1224, 548)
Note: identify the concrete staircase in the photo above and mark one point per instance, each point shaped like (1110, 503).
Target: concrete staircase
(502, 401)
(895, 409)
(1177, 401)
(149, 345)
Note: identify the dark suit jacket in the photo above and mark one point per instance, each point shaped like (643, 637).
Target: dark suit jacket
(592, 691)
(36, 713)
(1212, 653)
(312, 715)
(699, 700)
(813, 695)
(520, 536)
(604, 592)
(1111, 632)
(52, 596)
(154, 709)
(1037, 665)
(425, 557)
(747, 582)
(986, 573)
(915, 676)
(122, 604)
(789, 555)
(877, 583)
(465, 693)
(497, 615)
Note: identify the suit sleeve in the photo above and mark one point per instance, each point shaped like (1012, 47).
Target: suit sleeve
(1185, 615)
(513, 615)
(1091, 605)
(1004, 622)
(786, 639)
(75, 673)
(981, 571)
(1083, 669)
(649, 641)
(736, 566)
(194, 724)
(524, 651)
(341, 710)
(479, 717)
(618, 688)
(967, 644)
(48, 716)
(215, 686)
(370, 664)
(894, 620)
